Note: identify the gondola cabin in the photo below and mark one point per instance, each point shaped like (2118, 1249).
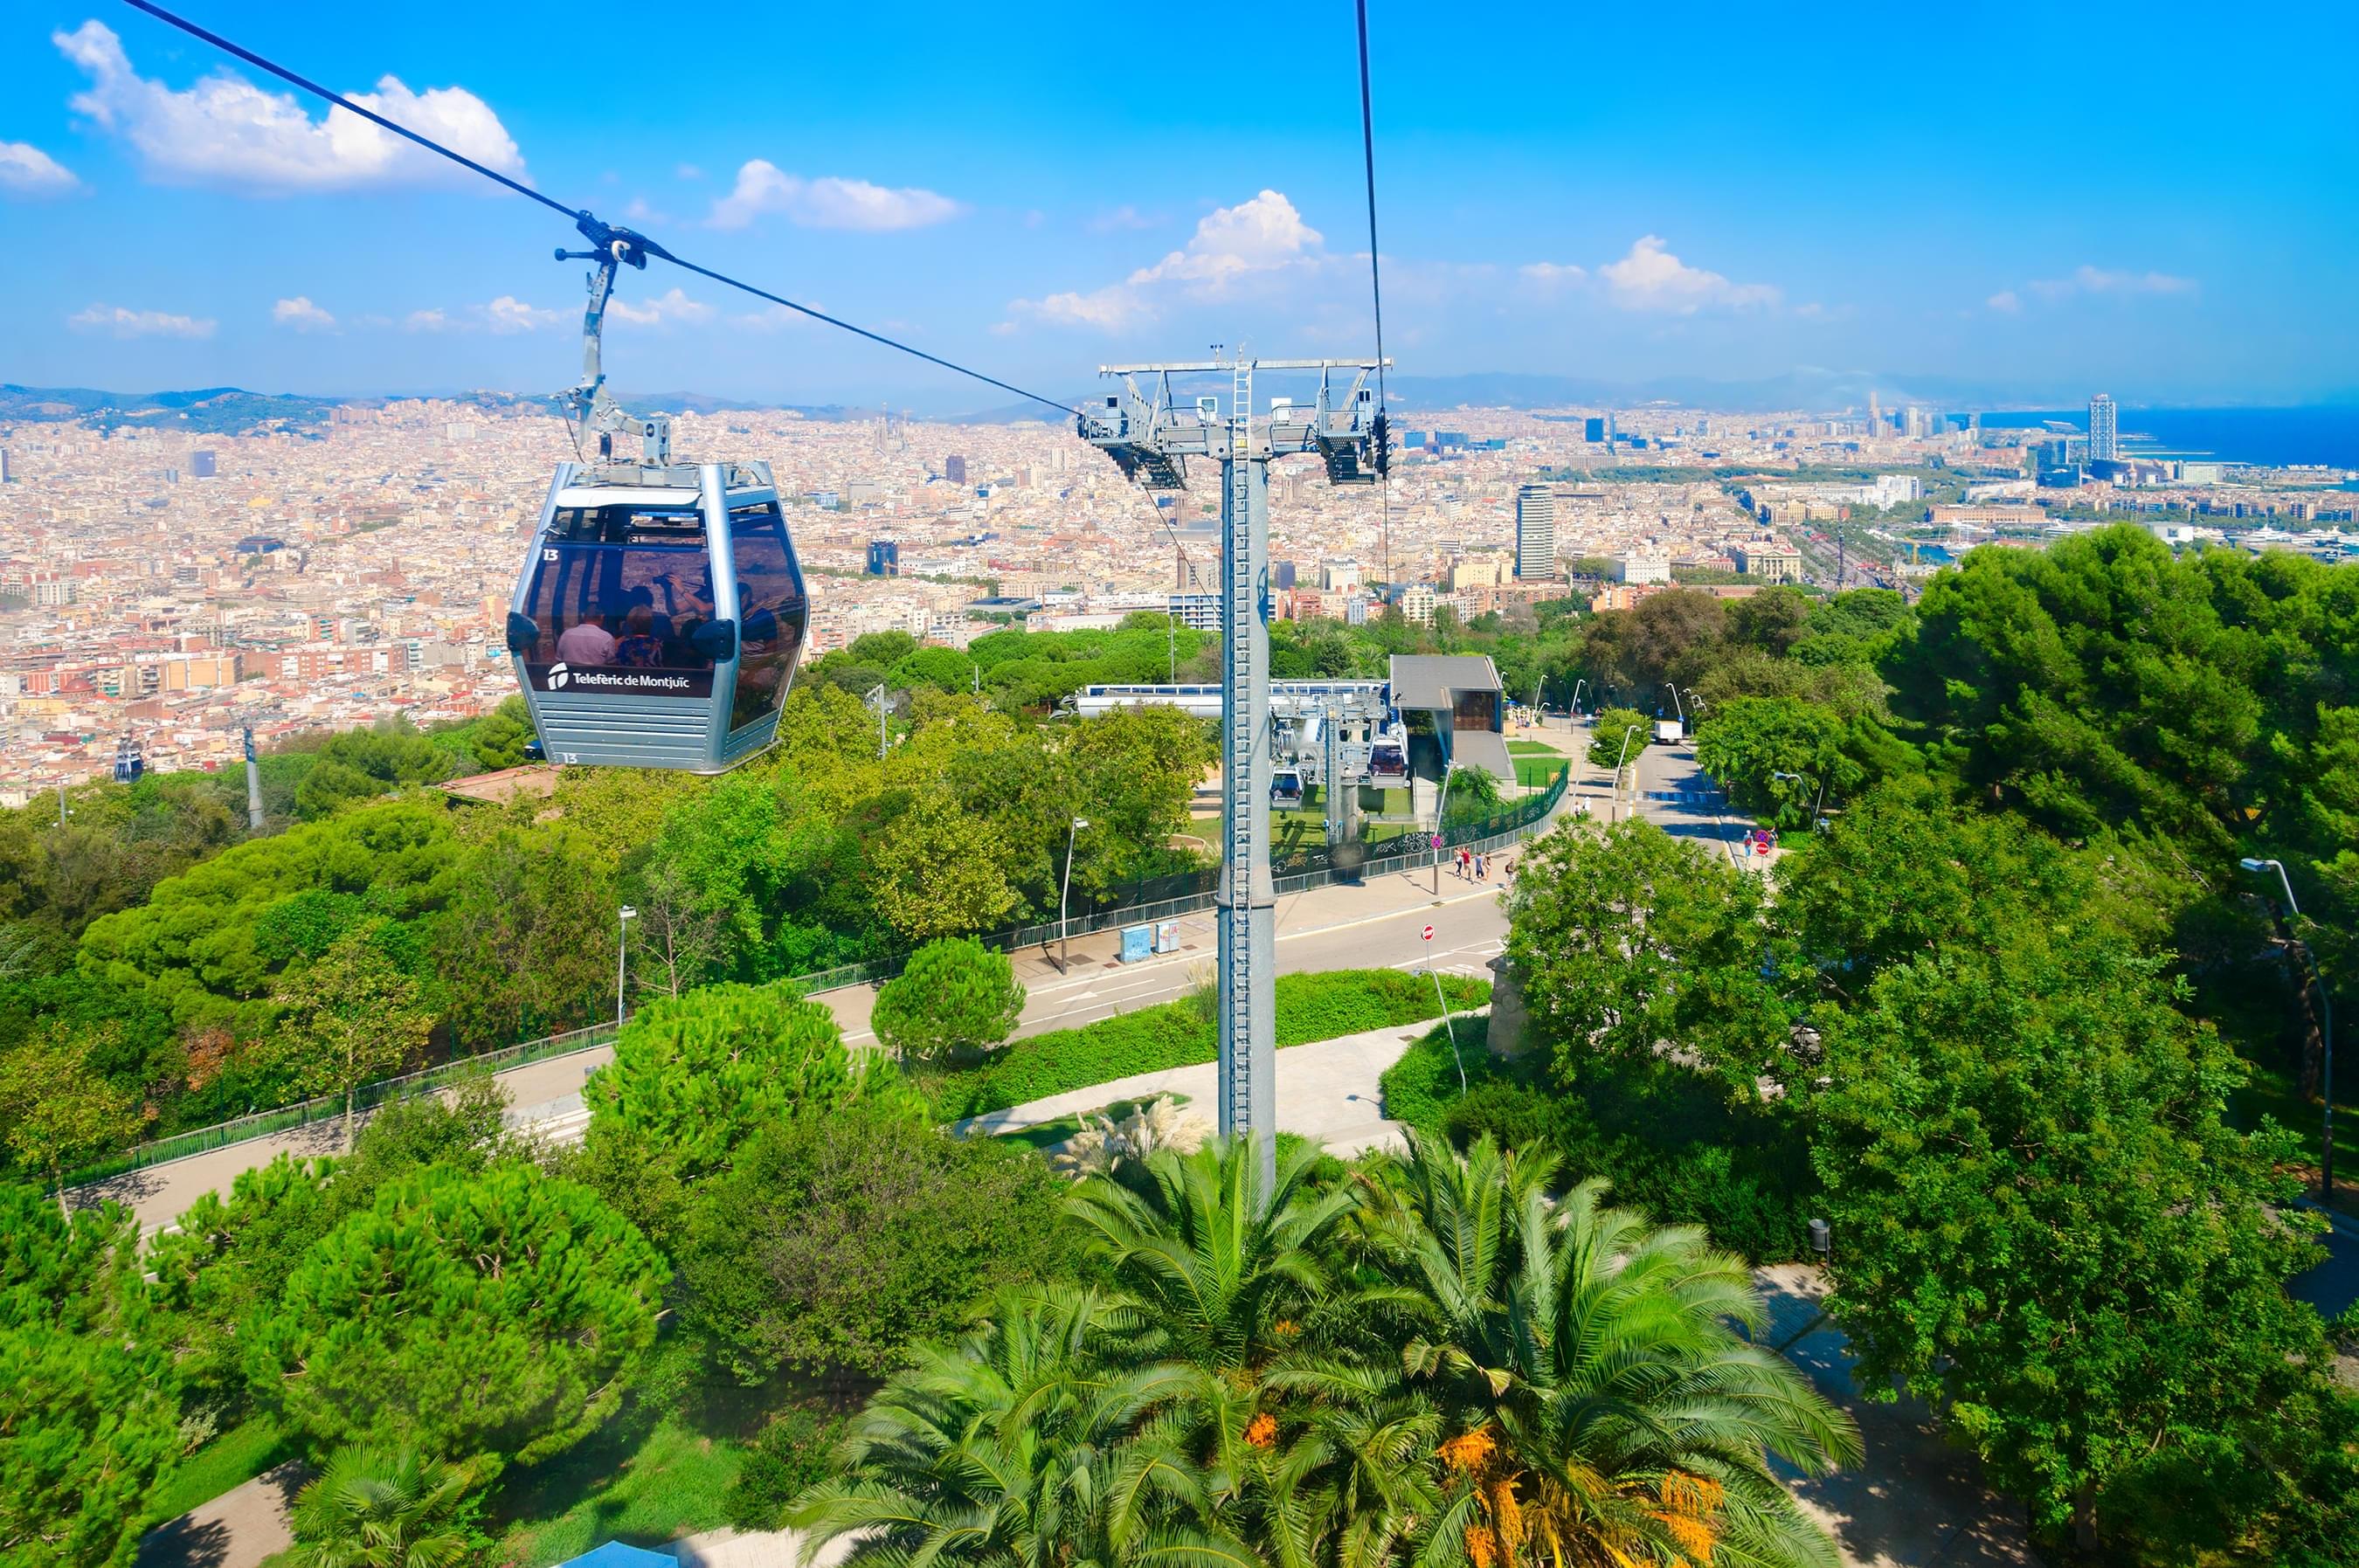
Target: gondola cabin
(659, 615)
(1285, 787)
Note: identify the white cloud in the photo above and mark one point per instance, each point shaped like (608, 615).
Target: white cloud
(302, 315)
(428, 322)
(775, 317)
(1651, 278)
(688, 171)
(1256, 242)
(2098, 280)
(1125, 218)
(1552, 276)
(508, 314)
(829, 202)
(127, 323)
(27, 170)
(226, 130)
(673, 305)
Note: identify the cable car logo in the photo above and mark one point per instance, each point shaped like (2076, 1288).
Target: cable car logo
(558, 677)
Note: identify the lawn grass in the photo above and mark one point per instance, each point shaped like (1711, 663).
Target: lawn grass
(632, 1481)
(1536, 772)
(229, 1460)
(1321, 1006)
(1532, 749)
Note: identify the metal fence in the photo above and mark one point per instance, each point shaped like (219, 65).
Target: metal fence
(1177, 895)
(328, 1107)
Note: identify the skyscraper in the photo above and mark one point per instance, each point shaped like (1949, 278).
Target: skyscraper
(201, 464)
(2104, 435)
(1536, 533)
(1594, 432)
(954, 468)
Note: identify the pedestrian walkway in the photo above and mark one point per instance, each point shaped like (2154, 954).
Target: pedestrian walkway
(1329, 1090)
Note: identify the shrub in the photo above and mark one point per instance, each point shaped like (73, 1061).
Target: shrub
(840, 1239)
(956, 998)
(788, 1456)
(490, 1317)
(1179, 1034)
(697, 1074)
(1513, 1115)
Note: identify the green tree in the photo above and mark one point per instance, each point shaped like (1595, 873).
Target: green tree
(364, 763)
(55, 1111)
(1618, 735)
(374, 1508)
(956, 998)
(1628, 941)
(1601, 1404)
(482, 1319)
(940, 872)
(1016, 1448)
(696, 1074)
(2044, 1225)
(1779, 757)
(349, 1019)
(522, 949)
(89, 1405)
(501, 736)
(841, 1237)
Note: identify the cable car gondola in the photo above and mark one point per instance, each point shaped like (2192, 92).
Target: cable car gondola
(1286, 786)
(660, 613)
(1387, 763)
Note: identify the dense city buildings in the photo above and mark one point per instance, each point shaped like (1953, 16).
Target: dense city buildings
(327, 577)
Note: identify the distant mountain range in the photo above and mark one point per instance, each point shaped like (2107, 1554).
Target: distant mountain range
(229, 410)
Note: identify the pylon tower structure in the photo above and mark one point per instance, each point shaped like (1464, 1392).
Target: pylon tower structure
(1152, 436)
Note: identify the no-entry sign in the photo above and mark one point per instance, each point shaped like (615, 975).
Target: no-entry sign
(1428, 932)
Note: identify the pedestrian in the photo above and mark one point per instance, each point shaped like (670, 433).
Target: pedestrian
(1481, 868)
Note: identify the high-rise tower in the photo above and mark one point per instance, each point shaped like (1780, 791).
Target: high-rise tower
(2104, 432)
(1536, 532)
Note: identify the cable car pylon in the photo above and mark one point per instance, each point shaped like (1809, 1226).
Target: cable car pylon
(1151, 436)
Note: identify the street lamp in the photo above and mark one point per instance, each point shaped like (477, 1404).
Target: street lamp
(1676, 706)
(1064, 931)
(1614, 799)
(1576, 696)
(1440, 818)
(2326, 1022)
(622, 918)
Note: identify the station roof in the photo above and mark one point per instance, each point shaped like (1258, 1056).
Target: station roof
(1427, 680)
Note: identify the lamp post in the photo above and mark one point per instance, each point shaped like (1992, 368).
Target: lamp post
(1614, 799)
(622, 918)
(2326, 1028)
(1576, 696)
(1441, 816)
(1819, 805)
(1064, 894)
(879, 694)
(1677, 707)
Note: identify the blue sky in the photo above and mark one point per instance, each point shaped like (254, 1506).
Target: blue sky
(2161, 200)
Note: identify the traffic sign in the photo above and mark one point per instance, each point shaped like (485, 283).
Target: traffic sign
(1428, 932)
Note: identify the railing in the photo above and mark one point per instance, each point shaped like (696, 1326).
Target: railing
(1183, 894)
(330, 1108)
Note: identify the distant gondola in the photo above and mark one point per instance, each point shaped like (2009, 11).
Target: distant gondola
(1286, 786)
(660, 613)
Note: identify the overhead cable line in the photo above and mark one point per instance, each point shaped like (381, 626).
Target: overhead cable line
(1377, 291)
(598, 233)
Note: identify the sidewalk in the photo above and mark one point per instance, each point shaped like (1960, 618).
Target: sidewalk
(1329, 1090)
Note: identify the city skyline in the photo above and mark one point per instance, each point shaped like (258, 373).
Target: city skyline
(983, 192)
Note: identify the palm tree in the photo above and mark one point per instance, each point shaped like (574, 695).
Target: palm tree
(1600, 1406)
(1024, 1446)
(374, 1508)
(1304, 1441)
(1224, 1274)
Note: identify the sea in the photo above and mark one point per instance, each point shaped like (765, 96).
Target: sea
(2327, 434)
